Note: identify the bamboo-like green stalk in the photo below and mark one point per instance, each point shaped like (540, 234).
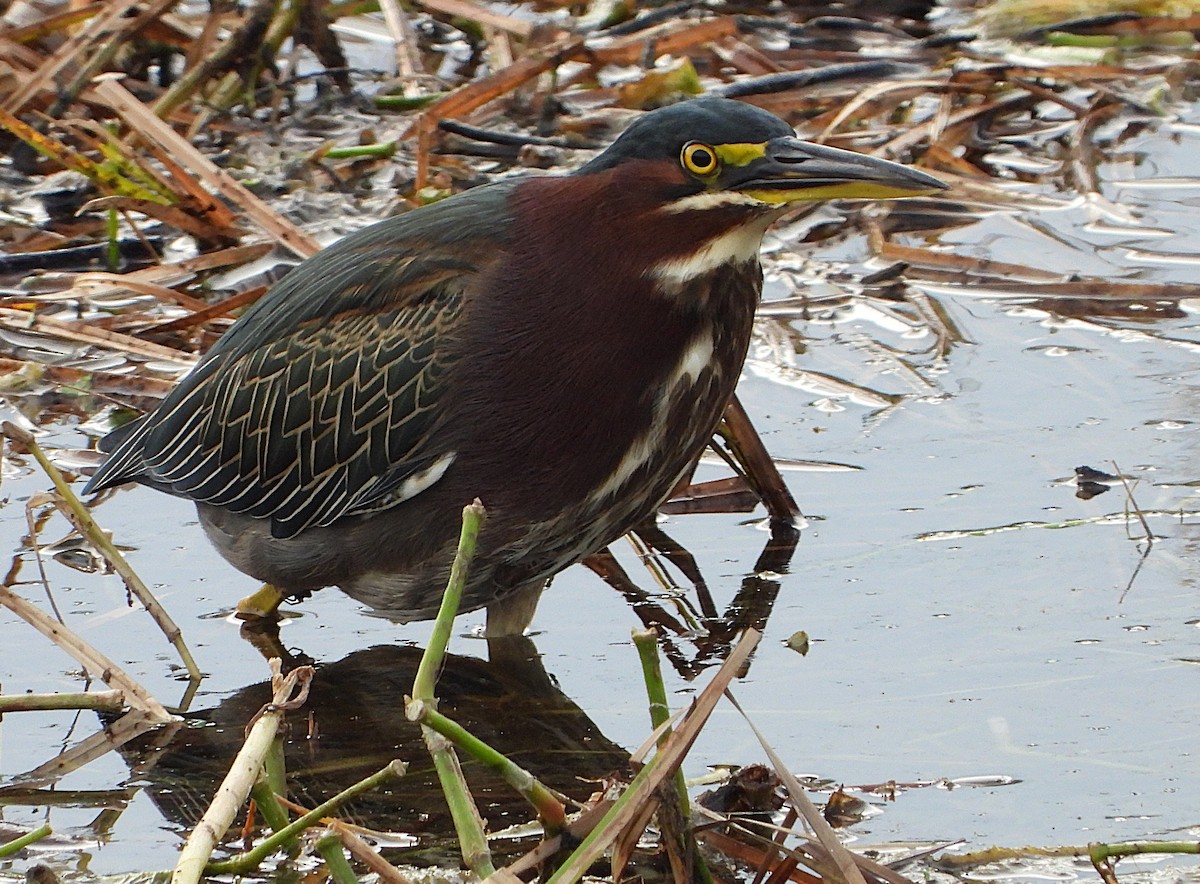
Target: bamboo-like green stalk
(468, 824)
(267, 802)
(329, 846)
(271, 783)
(245, 862)
(112, 252)
(1100, 851)
(83, 521)
(406, 102)
(274, 767)
(646, 643)
(11, 847)
(435, 652)
(358, 152)
(551, 813)
(104, 701)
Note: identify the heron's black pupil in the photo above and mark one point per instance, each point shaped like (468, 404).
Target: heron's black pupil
(702, 159)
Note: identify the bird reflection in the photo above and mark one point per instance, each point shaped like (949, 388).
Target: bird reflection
(353, 724)
(680, 621)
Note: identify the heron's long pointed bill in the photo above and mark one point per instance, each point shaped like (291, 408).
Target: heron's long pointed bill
(790, 170)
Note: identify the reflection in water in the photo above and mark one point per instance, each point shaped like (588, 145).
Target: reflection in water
(712, 635)
(353, 724)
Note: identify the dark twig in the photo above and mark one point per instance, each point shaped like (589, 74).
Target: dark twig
(491, 136)
(1133, 503)
(654, 17)
(806, 79)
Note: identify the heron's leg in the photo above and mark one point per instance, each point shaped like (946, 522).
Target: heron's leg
(512, 614)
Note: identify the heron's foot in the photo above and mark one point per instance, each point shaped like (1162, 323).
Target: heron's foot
(261, 605)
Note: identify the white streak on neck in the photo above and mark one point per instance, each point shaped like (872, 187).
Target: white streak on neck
(680, 381)
(737, 246)
(711, 199)
(697, 356)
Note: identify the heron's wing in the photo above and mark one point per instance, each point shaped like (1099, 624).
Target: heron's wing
(325, 402)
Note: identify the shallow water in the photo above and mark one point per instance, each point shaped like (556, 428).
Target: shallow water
(969, 616)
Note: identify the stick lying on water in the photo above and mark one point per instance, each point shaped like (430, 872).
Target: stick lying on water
(82, 519)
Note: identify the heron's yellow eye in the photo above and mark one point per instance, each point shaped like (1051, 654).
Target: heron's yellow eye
(699, 159)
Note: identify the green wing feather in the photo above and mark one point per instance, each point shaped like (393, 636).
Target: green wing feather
(325, 398)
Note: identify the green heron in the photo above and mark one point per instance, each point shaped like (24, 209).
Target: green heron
(560, 347)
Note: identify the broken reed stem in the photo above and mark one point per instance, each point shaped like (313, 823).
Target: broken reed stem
(1096, 851)
(1133, 503)
(329, 846)
(153, 131)
(243, 772)
(468, 824)
(91, 659)
(8, 849)
(431, 661)
(103, 701)
(82, 519)
(368, 856)
(551, 813)
(232, 87)
(245, 39)
(646, 642)
(246, 862)
(133, 724)
(844, 868)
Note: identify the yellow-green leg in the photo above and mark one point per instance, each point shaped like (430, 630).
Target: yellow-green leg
(261, 605)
